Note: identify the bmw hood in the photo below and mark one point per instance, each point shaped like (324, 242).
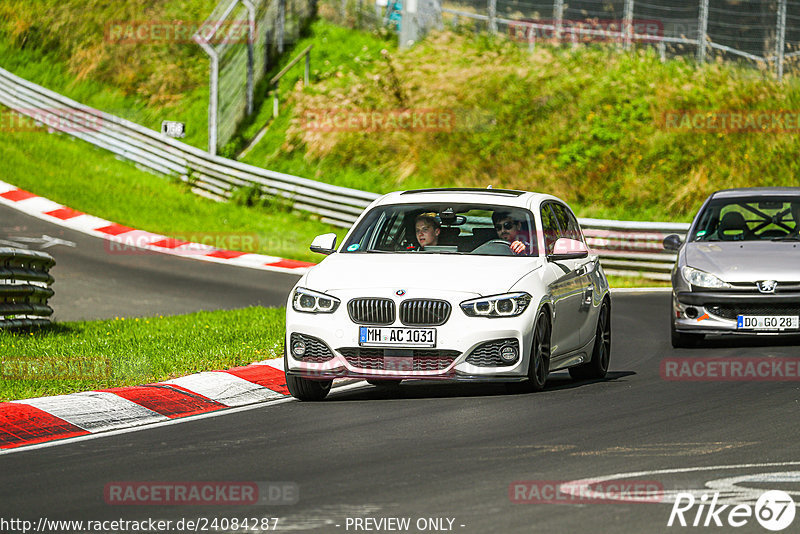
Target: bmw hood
(481, 275)
(746, 261)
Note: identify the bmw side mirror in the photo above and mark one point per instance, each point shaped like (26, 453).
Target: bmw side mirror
(672, 242)
(568, 249)
(324, 244)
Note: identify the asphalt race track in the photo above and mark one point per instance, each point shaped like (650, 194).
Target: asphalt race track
(445, 452)
(94, 282)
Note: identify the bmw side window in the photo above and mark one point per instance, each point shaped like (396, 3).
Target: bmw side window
(569, 224)
(549, 228)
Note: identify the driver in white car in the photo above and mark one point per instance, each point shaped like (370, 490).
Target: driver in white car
(510, 230)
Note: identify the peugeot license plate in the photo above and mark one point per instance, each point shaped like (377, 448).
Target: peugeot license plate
(767, 322)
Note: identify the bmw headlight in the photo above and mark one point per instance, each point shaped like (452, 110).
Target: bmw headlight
(699, 278)
(308, 301)
(507, 305)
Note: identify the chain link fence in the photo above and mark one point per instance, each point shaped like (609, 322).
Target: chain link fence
(766, 32)
(243, 39)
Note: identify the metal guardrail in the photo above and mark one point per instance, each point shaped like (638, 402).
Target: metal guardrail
(24, 287)
(212, 176)
(625, 247)
(633, 248)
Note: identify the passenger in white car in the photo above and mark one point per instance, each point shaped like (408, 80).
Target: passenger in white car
(427, 230)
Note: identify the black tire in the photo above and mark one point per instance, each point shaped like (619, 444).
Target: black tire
(539, 362)
(681, 340)
(384, 383)
(597, 367)
(308, 390)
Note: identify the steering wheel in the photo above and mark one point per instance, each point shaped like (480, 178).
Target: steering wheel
(493, 246)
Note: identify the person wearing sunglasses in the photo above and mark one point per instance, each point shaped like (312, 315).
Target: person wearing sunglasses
(510, 230)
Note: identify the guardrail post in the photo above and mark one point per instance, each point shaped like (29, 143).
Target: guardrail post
(558, 19)
(492, 16)
(409, 28)
(251, 40)
(213, 105)
(531, 39)
(628, 23)
(780, 44)
(702, 32)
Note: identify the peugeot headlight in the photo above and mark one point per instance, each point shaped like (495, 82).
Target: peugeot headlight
(305, 300)
(507, 305)
(699, 278)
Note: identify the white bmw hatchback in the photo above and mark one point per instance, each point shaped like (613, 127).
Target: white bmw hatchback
(453, 284)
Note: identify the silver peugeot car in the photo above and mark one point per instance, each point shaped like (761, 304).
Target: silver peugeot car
(739, 270)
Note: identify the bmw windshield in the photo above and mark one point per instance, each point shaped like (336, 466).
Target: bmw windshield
(445, 229)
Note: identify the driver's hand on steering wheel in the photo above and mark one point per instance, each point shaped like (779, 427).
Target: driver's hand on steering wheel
(517, 247)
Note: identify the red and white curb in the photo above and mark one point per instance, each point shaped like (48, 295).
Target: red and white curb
(126, 238)
(44, 419)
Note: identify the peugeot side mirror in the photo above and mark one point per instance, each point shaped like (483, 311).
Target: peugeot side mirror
(672, 242)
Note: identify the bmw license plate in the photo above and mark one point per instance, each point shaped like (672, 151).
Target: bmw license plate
(399, 337)
(767, 322)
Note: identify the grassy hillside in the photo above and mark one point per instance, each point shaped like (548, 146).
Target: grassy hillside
(584, 124)
(78, 34)
(70, 47)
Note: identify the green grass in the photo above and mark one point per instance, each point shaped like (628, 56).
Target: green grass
(90, 180)
(67, 47)
(80, 356)
(635, 281)
(191, 108)
(336, 52)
